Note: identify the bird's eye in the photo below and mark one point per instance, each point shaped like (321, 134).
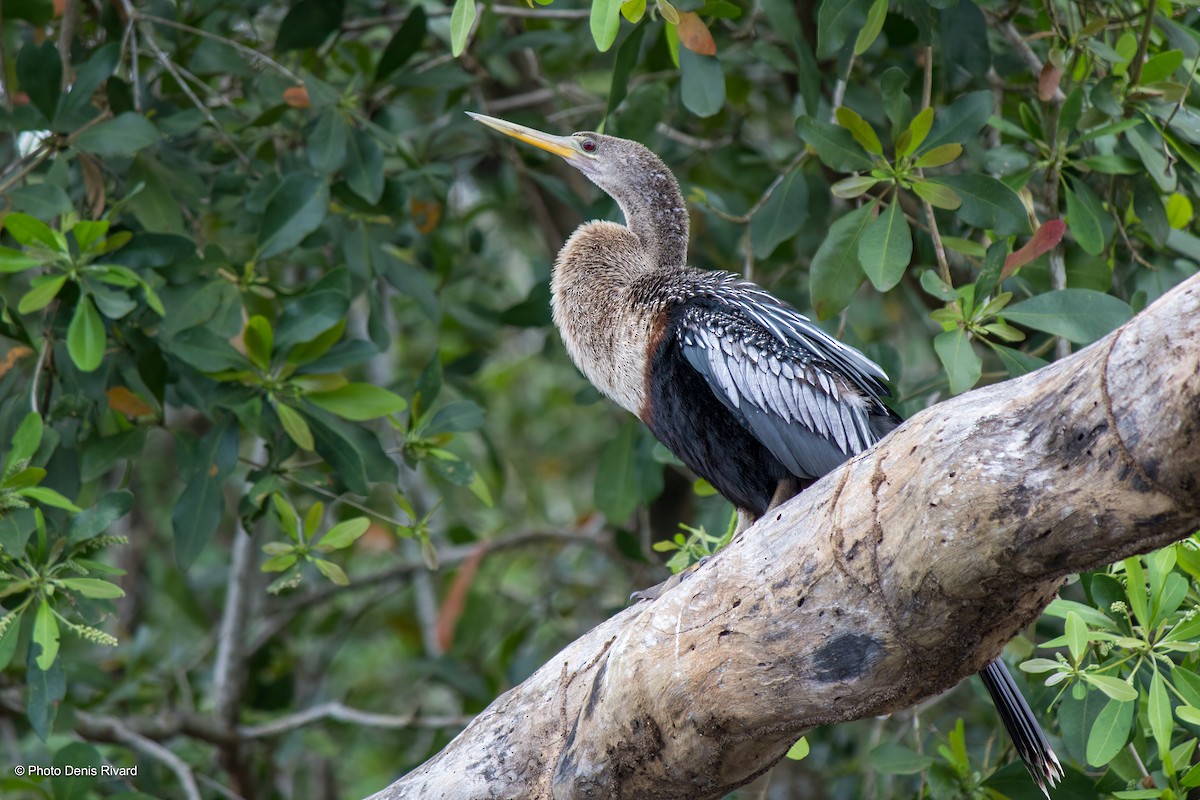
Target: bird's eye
(588, 145)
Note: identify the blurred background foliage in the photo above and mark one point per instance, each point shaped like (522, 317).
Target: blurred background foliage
(297, 477)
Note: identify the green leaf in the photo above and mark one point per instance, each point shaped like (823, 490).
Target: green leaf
(896, 759)
(26, 440)
(16, 260)
(93, 587)
(308, 24)
(886, 248)
(702, 80)
(937, 195)
(77, 108)
(860, 129)
(782, 216)
(332, 571)
(39, 73)
(855, 186)
(204, 350)
(95, 520)
(1077, 637)
(1160, 67)
(457, 417)
(195, 517)
(364, 166)
(916, 132)
(79, 770)
(604, 21)
(833, 144)
(1110, 733)
(932, 283)
(1080, 315)
(297, 208)
(86, 337)
(1084, 212)
(988, 203)
(626, 60)
(294, 425)
(799, 751)
(358, 402)
(1149, 146)
(353, 451)
(327, 142)
(45, 633)
(1191, 716)
(616, 476)
(404, 45)
(993, 266)
(1135, 589)
(123, 135)
(837, 20)
(48, 497)
(259, 341)
(42, 200)
(1115, 688)
(344, 534)
(280, 563)
(940, 156)
(959, 122)
(1161, 723)
(836, 271)
(963, 365)
(870, 30)
(32, 232)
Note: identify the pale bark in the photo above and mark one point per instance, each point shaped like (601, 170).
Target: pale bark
(892, 579)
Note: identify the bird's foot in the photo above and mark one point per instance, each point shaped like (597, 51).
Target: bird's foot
(653, 592)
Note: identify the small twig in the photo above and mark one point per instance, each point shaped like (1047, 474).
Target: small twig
(353, 716)
(704, 145)
(231, 644)
(66, 32)
(939, 249)
(32, 162)
(541, 12)
(1135, 69)
(37, 374)
(250, 52)
(108, 729)
(839, 91)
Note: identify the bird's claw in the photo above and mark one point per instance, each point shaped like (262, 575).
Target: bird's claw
(658, 589)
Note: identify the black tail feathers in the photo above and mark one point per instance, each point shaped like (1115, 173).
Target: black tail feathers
(1022, 726)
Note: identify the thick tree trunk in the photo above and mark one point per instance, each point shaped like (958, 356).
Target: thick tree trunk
(889, 581)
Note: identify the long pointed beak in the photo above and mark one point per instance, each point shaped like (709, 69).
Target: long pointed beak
(559, 145)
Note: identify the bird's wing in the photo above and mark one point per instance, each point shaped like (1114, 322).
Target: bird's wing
(779, 375)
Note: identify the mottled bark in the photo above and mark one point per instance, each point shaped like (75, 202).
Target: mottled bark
(892, 579)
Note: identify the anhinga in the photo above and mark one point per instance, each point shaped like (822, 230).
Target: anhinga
(745, 390)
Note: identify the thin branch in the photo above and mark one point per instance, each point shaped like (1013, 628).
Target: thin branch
(228, 669)
(541, 13)
(249, 52)
(703, 145)
(108, 729)
(37, 374)
(66, 33)
(939, 249)
(1025, 52)
(1135, 69)
(31, 163)
(353, 716)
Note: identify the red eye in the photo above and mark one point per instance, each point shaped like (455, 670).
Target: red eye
(588, 145)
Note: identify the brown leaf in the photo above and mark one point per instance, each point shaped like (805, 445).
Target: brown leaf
(93, 185)
(296, 96)
(1048, 81)
(127, 403)
(426, 214)
(456, 597)
(694, 34)
(1045, 239)
(12, 357)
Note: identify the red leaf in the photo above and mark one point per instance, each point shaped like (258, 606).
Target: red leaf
(456, 597)
(694, 34)
(1048, 81)
(1044, 240)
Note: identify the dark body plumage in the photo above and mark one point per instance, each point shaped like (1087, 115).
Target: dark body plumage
(744, 389)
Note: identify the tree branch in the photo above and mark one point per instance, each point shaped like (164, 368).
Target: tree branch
(890, 580)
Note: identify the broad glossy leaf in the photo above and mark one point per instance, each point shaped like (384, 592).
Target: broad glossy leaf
(259, 340)
(124, 135)
(45, 633)
(1083, 216)
(295, 426)
(297, 208)
(359, 401)
(86, 337)
(604, 22)
(837, 21)
(344, 534)
(404, 45)
(963, 365)
(854, 186)
(1115, 688)
(702, 83)
(364, 166)
(1080, 315)
(937, 194)
(886, 247)
(460, 416)
(987, 203)
(16, 260)
(327, 142)
(626, 60)
(32, 232)
(870, 30)
(48, 497)
(833, 144)
(96, 520)
(39, 73)
(195, 517)
(1110, 733)
(860, 129)
(77, 107)
(782, 216)
(93, 587)
(1149, 146)
(41, 200)
(353, 451)
(836, 271)
(940, 156)
(959, 122)
(204, 350)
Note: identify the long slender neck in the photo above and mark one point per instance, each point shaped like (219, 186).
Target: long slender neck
(656, 213)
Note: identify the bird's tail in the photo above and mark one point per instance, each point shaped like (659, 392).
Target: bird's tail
(1022, 726)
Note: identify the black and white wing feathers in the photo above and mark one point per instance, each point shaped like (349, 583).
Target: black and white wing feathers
(812, 401)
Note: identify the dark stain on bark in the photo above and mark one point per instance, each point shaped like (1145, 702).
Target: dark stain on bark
(846, 657)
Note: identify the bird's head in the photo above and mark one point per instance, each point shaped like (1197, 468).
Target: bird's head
(615, 165)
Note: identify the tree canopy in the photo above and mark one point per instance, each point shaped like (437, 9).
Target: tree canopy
(297, 477)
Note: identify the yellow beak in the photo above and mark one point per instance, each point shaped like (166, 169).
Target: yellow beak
(564, 146)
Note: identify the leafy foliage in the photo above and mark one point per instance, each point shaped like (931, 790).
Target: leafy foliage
(276, 315)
